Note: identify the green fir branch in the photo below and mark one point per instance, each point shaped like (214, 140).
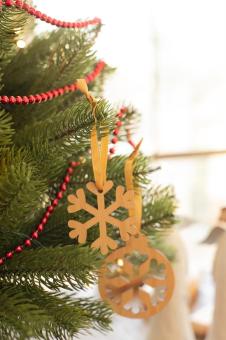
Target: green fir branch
(69, 267)
(66, 134)
(20, 188)
(31, 312)
(6, 129)
(13, 22)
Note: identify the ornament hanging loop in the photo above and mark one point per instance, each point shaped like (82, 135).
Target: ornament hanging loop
(136, 210)
(99, 150)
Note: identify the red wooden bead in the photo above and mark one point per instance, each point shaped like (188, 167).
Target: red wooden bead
(44, 97)
(4, 99)
(38, 14)
(50, 209)
(112, 150)
(9, 255)
(47, 18)
(18, 249)
(44, 220)
(67, 179)
(25, 6)
(120, 115)
(38, 98)
(114, 140)
(25, 100)
(72, 87)
(123, 109)
(44, 17)
(55, 93)
(55, 22)
(70, 170)
(32, 11)
(116, 132)
(47, 214)
(18, 3)
(60, 195)
(8, 2)
(1, 261)
(119, 123)
(88, 78)
(27, 243)
(34, 235)
(73, 164)
(63, 187)
(19, 100)
(31, 99)
(61, 91)
(55, 202)
(40, 227)
(12, 100)
(66, 88)
(49, 95)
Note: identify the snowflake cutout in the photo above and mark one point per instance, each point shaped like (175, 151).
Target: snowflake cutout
(136, 289)
(102, 215)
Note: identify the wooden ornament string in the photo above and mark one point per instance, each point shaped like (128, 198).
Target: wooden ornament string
(99, 150)
(136, 210)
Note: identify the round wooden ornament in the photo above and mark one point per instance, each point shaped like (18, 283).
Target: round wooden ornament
(136, 280)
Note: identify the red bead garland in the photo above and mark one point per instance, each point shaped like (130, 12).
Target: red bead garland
(44, 220)
(39, 15)
(49, 95)
(118, 124)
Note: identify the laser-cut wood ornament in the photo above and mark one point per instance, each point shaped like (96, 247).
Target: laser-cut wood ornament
(102, 215)
(136, 290)
(136, 280)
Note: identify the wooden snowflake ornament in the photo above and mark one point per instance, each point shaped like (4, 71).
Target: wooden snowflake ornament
(136, 280)
(102, 215)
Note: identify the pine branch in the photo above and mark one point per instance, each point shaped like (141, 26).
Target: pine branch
(65, 134)
(69, 267)
(12, 25)
(115, 171)
(30, 312)
(20, 189)
(50, 61)
(65, 54)
(6, 130)
(159, 208)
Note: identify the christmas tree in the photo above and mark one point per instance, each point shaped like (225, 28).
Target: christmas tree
(45, 126)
